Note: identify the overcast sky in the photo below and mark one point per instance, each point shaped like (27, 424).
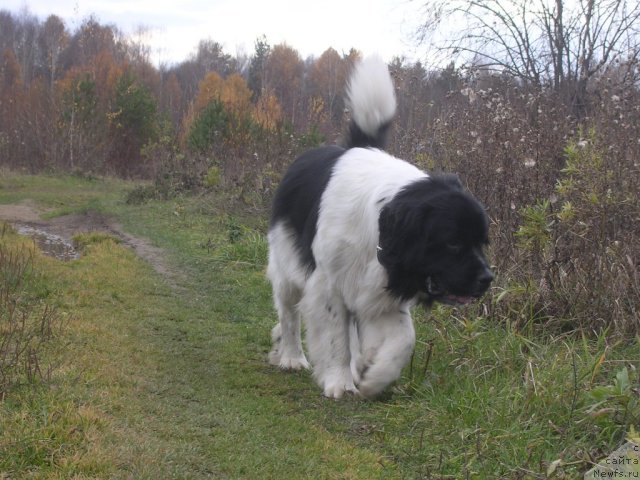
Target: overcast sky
(371, 26)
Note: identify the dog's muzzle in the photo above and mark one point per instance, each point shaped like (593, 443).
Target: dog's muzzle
(440, 294)
(433, 289)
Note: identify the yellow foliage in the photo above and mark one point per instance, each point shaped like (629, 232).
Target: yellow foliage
(232, 92)
(235, 95)
(210, 89)
(316, 106)
(267, 112)
(317, 110)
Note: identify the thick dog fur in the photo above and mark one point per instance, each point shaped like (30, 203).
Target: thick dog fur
(357, 237)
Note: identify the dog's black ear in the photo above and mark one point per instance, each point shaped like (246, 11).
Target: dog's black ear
(403, 233)
(386, 227)
(397, 224)
(404, 224)
(401, 246)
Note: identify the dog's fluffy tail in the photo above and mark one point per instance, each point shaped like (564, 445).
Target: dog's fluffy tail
(372, 101)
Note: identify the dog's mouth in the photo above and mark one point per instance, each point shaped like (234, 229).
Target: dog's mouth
(456, 300)
(440, 294)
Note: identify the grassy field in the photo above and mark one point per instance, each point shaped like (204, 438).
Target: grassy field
(157, 379)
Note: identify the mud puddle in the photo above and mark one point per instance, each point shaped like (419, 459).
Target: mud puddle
(49, 243)
(55, 236)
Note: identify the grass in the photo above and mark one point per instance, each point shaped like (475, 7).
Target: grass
(152, 381)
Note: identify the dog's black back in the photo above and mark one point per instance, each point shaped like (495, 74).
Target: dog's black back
(297, 199)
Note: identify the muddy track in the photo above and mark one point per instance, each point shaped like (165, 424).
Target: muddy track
(65, 227)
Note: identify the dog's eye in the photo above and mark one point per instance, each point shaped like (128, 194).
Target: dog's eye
(454, 247)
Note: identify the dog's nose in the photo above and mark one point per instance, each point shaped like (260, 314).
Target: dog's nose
(485, 279)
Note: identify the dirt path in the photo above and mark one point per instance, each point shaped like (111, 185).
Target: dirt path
(27, 214)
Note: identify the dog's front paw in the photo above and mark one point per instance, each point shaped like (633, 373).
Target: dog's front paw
(338, 391)
(338, 386)
(370, 388)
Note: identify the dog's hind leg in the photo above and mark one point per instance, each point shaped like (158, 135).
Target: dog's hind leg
(287, 278)
(286, 339)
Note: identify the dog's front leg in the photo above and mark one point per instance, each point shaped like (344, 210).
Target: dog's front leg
(386, 345)
(327, 337)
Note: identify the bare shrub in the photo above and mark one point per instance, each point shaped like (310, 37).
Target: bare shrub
(592, 270)
(561, 192)
(506, 143)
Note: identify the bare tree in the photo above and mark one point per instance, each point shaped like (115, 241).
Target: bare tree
(283, 74)
(52, 39)
(558, 43)
(327, 77)
(210, 56)
(25, 45)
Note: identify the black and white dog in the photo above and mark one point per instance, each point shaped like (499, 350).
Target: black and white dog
(356, 238)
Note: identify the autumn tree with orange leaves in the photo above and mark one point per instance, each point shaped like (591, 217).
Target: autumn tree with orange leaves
(283, 75)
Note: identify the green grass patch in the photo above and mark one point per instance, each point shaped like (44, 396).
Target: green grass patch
(161, 382)
(60, 195)
(83, 240)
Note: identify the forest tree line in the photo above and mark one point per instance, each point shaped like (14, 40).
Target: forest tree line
(91, 100)
(548, 141)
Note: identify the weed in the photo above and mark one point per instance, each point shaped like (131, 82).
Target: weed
(26, 322)
(580, 255)
(615, 408)
(83, 240)
(244, 245)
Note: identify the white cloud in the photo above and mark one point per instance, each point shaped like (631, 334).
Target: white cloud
(381, 26)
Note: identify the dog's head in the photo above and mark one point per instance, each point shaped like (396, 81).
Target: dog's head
(432, 235)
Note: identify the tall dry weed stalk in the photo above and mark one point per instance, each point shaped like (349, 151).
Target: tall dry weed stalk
(26, 322)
